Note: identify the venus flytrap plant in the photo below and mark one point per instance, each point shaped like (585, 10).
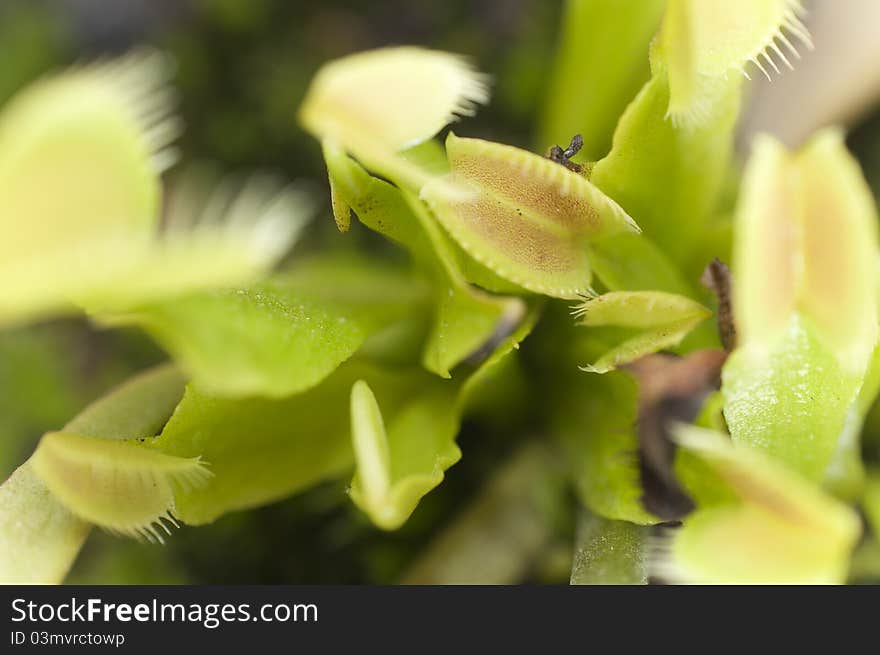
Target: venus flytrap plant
(344, 367)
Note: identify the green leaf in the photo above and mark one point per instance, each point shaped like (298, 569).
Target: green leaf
(39, 536)
(779, 529)
(376, 203)
(524, 217)
(609, 552)
(395, 469)
(595, 419)
(601, 63)
(791, 402)
(667, 176)
(466, 319)
(284, 335)
(664, 319)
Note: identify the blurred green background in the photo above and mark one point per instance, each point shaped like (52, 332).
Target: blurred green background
(242, 69)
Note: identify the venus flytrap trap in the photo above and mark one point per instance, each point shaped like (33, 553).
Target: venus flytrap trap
(118, 486)
(523, 216)
(99, 136)
(805, 301)
(41, 535)
(377, 104)
(702, 41)
(664, 319)
(779, 527)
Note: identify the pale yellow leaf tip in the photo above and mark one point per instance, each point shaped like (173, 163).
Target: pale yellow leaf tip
(371, 452)
(116, 485)
(392, 97)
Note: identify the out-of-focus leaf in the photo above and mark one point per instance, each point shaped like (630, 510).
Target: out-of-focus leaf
(664, 319)
(668, 177)
(781, 528)
(39, 536)
(284, 335)
(116, 485)
(80, 201)
(805, 301)
(703, 41)
(375, 104)
(523, 216)
(609, 552)
(395, 469)
(229, 236)
(601, 63)
(498, 536)
(76, 155)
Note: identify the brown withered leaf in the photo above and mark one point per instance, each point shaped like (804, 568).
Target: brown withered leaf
(718, 279)
(672, 389)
